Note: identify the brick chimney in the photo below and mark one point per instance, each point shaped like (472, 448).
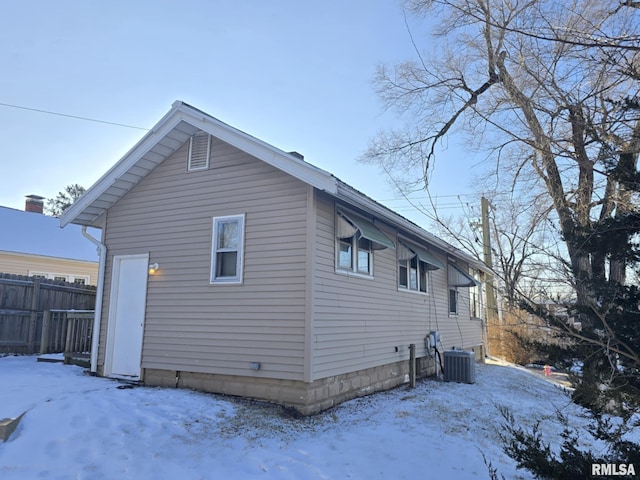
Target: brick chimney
(34, 203)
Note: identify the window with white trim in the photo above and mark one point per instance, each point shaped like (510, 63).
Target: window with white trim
(350, 259)
(413, 264)
(475, 298)
(227, 249)
(199, 149)
(459, 277)
(412, 274)
(356, 239)
(60, 277)
(355, 255)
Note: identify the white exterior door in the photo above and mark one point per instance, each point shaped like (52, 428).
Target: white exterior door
(127, 303)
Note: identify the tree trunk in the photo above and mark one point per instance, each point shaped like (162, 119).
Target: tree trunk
(625, 172)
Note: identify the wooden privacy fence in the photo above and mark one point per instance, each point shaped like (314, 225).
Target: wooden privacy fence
(23, 303)
(66, 331)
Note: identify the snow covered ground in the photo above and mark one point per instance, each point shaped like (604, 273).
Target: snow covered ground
(82, 427)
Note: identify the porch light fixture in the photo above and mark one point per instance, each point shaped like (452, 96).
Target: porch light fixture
(153, 268)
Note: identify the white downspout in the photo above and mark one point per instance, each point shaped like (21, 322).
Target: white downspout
(95, 339)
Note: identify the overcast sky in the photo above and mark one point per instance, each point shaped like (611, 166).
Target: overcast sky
(295, 74)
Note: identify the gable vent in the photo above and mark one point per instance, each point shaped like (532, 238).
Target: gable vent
(199, 151)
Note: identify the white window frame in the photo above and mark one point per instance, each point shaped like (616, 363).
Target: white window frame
(44, 275)
(69, 278)
(238, 277)
(422, 273)
(356, 249)
(75, 278)
(422, 276)
(475, 298)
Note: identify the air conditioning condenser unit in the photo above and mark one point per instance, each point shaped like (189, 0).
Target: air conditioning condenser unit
(459, 366)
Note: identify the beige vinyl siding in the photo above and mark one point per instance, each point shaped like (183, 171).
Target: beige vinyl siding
(190, 324)
(22, 264)
(471, 327)
(359, 322)
(461, 330)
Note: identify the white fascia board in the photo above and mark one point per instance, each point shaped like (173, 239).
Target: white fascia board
(253, 146)
(354, 197)
(182, 112)
(153, 136)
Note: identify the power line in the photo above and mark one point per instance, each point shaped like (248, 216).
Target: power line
(436, 197)
(77, 117)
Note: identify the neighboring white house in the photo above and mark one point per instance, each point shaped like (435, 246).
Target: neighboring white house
(34, 245)
(231, 266)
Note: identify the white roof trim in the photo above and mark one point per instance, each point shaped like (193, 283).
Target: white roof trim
(133, 166)
(177, 126)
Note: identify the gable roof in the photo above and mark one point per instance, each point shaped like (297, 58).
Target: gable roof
(177, 126)
(169, 134)
(36, 234)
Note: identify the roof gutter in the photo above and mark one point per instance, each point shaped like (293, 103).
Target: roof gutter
(97, 318)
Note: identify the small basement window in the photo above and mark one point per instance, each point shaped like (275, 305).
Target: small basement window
(199, 150)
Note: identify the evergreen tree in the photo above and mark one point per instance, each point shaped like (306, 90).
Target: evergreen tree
(607, 347)
(56, 206)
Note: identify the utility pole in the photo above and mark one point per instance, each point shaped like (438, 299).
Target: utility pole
(486, 242)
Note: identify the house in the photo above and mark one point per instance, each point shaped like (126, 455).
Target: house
(231, 266)
(34, 245)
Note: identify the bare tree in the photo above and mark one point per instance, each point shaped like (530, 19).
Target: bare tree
(545, 82)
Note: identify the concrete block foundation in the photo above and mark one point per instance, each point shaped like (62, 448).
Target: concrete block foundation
(306, 398)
